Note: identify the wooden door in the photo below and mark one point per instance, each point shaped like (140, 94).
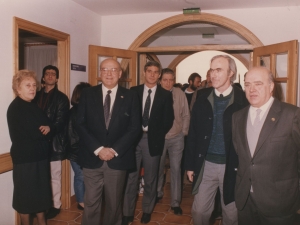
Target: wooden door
(127, 59)
(282, 60)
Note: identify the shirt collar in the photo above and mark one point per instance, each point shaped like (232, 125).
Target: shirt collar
(263, 108)
(105, 89)
(153, 89)
(225, 93)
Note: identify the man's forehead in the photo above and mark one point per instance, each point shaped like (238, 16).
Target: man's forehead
(50, 70)
(167, 76)
(219, 62)
(109, 62)
(256, 75)
(153, 68)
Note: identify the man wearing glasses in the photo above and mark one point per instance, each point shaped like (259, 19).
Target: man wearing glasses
(109, 123)
(210, 160)
(56, 105)
(157, 119)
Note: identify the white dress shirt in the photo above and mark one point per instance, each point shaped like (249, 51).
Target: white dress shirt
(225, 93)
(264, 109)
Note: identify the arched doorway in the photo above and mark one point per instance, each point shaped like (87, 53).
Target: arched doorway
(196, 18)
(140, 43)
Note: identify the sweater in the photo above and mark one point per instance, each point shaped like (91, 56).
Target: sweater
(28, 143)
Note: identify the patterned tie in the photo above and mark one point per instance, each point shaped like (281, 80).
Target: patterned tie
(147, 109)
(107, 108)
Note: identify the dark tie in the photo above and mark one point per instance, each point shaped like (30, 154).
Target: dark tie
(147, 109)
(221, 96)
(107, 108)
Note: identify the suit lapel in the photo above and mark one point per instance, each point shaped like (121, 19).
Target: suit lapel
(99, 104)
(155, 100)
(271, 120)
(243, 131)
(117, 104)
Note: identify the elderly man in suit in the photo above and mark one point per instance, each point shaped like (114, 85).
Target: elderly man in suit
(108, 125)
(158, 115)
(210, 158)
(266, 137)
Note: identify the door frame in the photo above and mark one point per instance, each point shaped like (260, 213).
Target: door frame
(183, 19)
(63, 63)
(97, 51)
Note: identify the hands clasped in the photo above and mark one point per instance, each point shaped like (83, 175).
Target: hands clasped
(106, 154)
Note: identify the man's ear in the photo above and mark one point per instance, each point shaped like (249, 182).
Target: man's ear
(272, 87)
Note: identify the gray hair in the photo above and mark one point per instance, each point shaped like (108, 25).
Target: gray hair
(231, 62)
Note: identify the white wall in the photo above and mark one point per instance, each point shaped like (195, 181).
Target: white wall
(84, 28)
(270, 25)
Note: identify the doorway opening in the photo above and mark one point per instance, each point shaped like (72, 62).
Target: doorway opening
(200, 63)
(62, 41)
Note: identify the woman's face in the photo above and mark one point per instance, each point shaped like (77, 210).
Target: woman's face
(27, 89)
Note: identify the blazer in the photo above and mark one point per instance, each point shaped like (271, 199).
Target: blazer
(199, 137)
(161, 117)
(124, 128)
(272, 171)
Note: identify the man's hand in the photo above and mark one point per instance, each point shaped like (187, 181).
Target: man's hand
(190, 175)
(44, 129)
(106, 154)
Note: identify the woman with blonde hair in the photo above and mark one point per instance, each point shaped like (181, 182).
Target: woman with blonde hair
(29, 131)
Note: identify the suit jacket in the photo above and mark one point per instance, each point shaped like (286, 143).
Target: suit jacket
(124, 128)
(272, 171)
(161, 117)
(200, 133)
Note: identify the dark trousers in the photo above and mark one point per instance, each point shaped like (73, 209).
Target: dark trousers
(250, 215)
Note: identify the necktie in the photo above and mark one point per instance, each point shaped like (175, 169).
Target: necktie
(221, 96)
(147, 109)
(107, 108)
(257, 118)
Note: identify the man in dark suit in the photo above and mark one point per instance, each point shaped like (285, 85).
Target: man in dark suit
(109, 122)
(157, 120)
(266, 136)
(210, 158)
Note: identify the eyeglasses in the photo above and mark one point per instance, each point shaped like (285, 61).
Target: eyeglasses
(50, 74)
(112, 70)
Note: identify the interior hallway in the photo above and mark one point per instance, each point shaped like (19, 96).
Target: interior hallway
(162, 212)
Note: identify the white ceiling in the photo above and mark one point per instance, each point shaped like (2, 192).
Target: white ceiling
(120, 7)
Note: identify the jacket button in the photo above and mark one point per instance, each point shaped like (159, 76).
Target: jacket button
(209, 118)
(205, 137)
(199, 155)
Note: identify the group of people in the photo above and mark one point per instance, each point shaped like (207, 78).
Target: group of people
(244, 144)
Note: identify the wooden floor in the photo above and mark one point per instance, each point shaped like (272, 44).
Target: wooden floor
(162, 212)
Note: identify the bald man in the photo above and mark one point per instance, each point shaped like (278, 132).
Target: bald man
(108, 126)
(266, 137)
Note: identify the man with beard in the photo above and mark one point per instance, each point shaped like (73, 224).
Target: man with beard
(194, 82)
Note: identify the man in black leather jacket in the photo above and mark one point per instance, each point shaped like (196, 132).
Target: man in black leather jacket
(56, 105)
